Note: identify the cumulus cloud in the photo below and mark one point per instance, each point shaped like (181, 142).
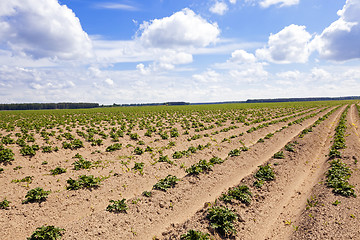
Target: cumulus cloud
(290, 45)
(42, 29)
(340, 41)
(181, 30)
(109, 81)
(219, 8)
(232, 1)
(242, 56)
(281, 3)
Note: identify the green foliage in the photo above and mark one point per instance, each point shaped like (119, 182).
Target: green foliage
(241, 193)
(265, 173)
(269, 135)
(139, 166)
(337, 178)
(149, 149)
(138, 151)
(29, 150)
(195, 235)
(7, 140)
(177, 154)
(57, 171)
(201, 166)
(6, 155)
(27, 179)
(4, 204)
(169, 182)
(46, 149)
(234, 152)
(84, 181)
(279, 155)
(290, 147)
(165, 159)
(36, 195)
(222, 219)
(134, 136)
(82, 164)
(146, 194)
(216, 160)
(46, 233)
(114, 147)
(117, 206)
(74, 144)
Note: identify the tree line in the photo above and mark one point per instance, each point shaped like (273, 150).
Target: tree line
(43, 106)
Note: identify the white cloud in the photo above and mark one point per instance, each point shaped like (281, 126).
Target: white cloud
(173, 57)
(250, 74)
(340, 41)
(219, 8)
(320, 74)
(207, 77)
(281, 3)
(42, 29)
(109, 81)
(289, 75)
(183, 29)
(290, 45)
(118, 6)
(242, 57)
(232, 1)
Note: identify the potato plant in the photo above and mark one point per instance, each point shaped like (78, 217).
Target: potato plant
(47, 233)
(36, 195)
(117, 206)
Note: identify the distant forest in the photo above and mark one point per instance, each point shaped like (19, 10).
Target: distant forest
(43, 106)
(69, 105)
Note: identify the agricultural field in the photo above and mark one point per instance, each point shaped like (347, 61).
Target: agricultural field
(231, 171)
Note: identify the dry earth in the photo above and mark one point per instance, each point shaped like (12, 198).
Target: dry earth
(276, 211)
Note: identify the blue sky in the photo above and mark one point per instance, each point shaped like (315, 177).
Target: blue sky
(132, 51)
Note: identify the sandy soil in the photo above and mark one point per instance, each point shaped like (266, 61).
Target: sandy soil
(169, 214)
(326, 220)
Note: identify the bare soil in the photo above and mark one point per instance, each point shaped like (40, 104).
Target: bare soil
(277, 210)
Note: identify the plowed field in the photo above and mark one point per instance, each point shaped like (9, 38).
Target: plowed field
(210, 150)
